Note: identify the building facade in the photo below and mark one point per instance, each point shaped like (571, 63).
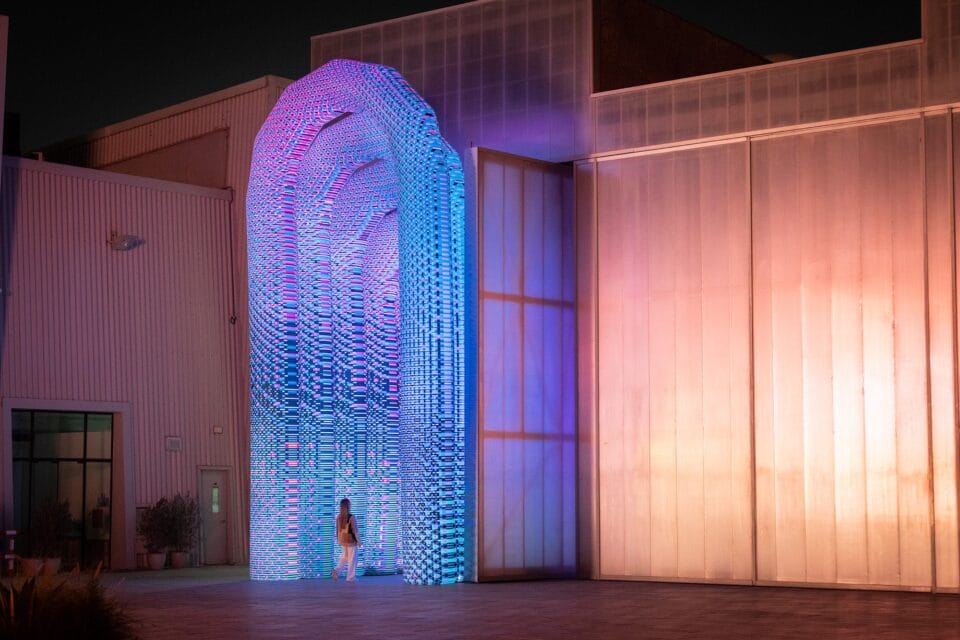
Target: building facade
(205, 142)
(716, 316)
(765, 294)
(119, 357)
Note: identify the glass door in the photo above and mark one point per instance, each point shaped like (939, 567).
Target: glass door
(64, 457)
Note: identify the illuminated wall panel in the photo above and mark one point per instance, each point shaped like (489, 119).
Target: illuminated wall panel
(842, 288)
(842, 379)
(355, 246)
(673, 365)
(941, 172)
(526, 368)
(513, 75)
(588, 548)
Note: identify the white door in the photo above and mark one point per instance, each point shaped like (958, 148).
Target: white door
(215, 511)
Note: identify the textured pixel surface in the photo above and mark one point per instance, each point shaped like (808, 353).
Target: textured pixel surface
(355, 248)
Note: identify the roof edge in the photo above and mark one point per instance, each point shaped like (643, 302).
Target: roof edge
(172, 110)
(771, 66)
(98, 175)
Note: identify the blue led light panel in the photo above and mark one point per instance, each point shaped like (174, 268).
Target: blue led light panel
(355, 232)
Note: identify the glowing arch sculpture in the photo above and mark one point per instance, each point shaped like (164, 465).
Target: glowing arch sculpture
(355, 235)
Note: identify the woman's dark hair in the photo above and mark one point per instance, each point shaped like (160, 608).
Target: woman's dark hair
(345, 503)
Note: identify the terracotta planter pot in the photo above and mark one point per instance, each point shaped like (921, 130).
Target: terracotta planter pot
(178, 559)
(51, 567)
(156, 560)
(30, 566)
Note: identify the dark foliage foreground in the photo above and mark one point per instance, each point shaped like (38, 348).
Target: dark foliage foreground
(55, 608)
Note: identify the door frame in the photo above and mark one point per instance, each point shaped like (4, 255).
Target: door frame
(123, 517)
(201, 546)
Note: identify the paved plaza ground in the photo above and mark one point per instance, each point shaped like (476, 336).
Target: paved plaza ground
(221, 603)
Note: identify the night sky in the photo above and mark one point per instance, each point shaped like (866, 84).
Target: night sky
(78, 66)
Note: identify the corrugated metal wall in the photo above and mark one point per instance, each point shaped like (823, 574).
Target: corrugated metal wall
(201, 161)
(526, 358)
(149, 327)
(240, 111)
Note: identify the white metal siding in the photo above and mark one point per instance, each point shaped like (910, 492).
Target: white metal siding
(149, 327)
(241, 111)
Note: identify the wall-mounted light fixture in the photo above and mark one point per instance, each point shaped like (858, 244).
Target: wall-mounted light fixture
(123, 242)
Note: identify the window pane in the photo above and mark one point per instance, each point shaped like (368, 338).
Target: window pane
(21, 497)
(21, 434)
(71, 491)
(57, 435)
(52, 449)
(70, 486)
(99, 435)
(97, 521)
(44, 482)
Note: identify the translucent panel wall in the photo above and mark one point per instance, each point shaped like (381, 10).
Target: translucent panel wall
(768, 344)
(800, 92)
(355, 242)
(512, 75)
(840, 344)
(941, 169)
(673, 365)
(526, 448)
(941, 35)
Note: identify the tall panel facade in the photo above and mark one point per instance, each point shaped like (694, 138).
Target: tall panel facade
(851, 335)
(526, 410)
(842, 429)
(673, 358)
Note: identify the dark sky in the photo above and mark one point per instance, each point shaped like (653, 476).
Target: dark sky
(73, 67)
(806, 27)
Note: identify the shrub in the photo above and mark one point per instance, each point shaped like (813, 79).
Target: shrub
(52, 609)
(154, 526)
(184, 515)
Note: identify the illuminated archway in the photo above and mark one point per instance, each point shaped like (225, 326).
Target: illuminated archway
(355, 255)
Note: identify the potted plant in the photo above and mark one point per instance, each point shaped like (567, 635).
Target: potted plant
(49, 524)
(184, 521)
(154, 527)
(31, 566)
